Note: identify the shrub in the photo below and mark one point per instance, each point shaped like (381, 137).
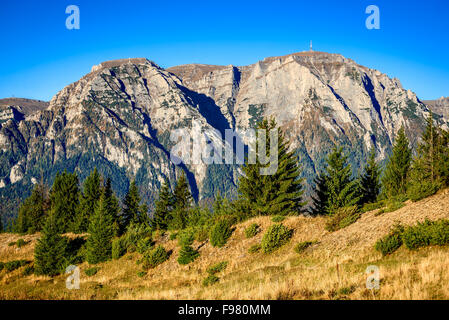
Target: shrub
(186, 237)
(255, 248)
(20, 243)
(276, 236)
(440, 233)
(118, 248)
(418, 236)
(134, 233)
(216, 268)
(28, 270)
(2, 265)
(252, 230)
(422, 189)
(202, 234)
(427, 233)
(278, 218)
(141, 274)
(300, 247)
(154, 257)
(391, 242)
(143, 245)
(210, 279)
(173, 236)
(91, 272)
(391, 205)
(15, 264)
(187, 255)
(342, 218)
(220, 233)
(372, 206)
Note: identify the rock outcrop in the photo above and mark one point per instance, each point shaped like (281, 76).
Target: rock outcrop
(119, 118)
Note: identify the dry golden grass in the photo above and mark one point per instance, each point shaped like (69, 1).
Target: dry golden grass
(333, 268)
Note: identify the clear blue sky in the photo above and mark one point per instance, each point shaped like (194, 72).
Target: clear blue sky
(39, 56)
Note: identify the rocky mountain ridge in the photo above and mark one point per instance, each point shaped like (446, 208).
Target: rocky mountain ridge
(119, 118)
(439, 106)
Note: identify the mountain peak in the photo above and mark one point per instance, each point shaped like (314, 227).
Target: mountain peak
(119, 62)
(119, 118)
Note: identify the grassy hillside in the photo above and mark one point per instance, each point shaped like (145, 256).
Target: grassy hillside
(332, 268)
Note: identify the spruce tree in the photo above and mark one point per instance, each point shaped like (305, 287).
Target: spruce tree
(99, 243)
(321, 197)
(221, 206)
(182, 195)
(32, 212)
(369, 182)
(279, 193)
(187, 254)
(397, 169)
(64, 197)
(144, 218)
(163, 207)
(429, 167)
(343, 190)
(432, 154)
(88, 200)
(50, 250)
(131, 206)
(443, 159)
(182, 201)
(112, 207)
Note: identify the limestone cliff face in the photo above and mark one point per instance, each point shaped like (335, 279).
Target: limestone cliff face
(439, 106)
(119, 117)
(319, 99)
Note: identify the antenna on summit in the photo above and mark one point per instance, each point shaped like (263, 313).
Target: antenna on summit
(311, 49)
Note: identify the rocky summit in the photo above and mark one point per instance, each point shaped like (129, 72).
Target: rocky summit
(119, 118)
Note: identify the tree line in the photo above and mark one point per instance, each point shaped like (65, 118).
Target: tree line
(95, 209)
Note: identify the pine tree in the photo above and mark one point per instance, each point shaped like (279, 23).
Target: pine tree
(221, 206)
(32, 212)
(64, 197)
(428, 151)
(182, 195)
(112, 207)
(369, 182)
(50, 251)
(187, 254)
(218, 203)
(182, 201)
(163, 207)
(397, 169)
(443, 159)
(99, 243)
(429, 167)
(131, 206)
(279, 193)
(342, 189)
(88, 200)
(144, 218)
(321, 198)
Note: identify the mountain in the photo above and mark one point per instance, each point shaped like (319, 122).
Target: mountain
(19, 108)
(119, 118)
(439, 106)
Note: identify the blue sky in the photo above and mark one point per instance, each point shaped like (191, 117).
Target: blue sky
(39, 55)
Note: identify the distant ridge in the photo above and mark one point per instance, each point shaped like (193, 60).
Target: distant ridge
(25, 106)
